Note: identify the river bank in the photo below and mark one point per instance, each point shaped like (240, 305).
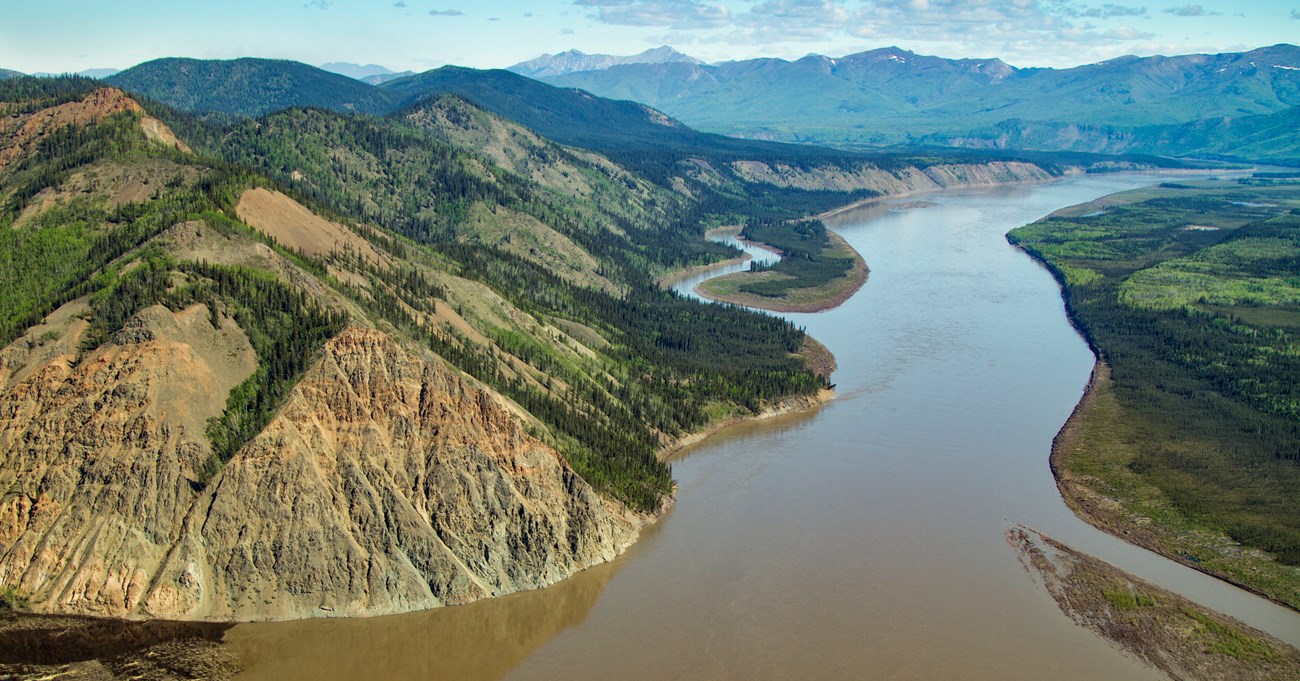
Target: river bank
(852, 538)
(1091, 460)
(1174, 462)
(725, 289)
(1159, 627)
(77, 647)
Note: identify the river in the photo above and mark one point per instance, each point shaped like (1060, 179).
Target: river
(861, 540)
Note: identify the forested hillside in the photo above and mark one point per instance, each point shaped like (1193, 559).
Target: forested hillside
(289, 266)
(249, 87)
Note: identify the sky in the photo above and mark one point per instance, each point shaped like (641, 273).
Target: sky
(72, 35)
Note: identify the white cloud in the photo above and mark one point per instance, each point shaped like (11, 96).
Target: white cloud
(1030, 32)
(676, 14)
(446, 13)
(1191, 11)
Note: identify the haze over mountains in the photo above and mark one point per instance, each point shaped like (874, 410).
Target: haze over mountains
(570, 61)
(369, 73)
(1233, 106)
(891, 96)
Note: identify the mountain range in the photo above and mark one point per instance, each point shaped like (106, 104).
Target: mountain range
(572, 61)
(1232, 106)
(369, 73)
(892, 96)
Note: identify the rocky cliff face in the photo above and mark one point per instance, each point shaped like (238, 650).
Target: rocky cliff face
(893, 182)
(386, 483)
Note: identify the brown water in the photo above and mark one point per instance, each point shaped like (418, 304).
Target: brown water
(863, 540)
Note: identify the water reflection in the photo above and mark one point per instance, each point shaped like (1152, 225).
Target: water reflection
(481, 641)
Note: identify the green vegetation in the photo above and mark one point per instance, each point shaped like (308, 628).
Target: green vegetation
(650, 367)
(11, 598)
(1124, 597)
(817, 269)
(1189, 294)
(248, 87)
(285, 328)
(808, 258)
(56, 256)
(1224, 640)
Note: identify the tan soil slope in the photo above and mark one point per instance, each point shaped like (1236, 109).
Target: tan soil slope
(906, 180)
(295, 227)
(20, 133)
(97, 456)
(386, 484)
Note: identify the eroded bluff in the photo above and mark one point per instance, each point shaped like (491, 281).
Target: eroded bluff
(386, 483)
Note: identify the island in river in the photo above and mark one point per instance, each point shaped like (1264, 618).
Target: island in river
(818, 270)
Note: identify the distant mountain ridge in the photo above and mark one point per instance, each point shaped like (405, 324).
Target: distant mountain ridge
(652, 114)
(571, 61)
(893, 96)
(248, 86)
(100, 73)
(369, 73)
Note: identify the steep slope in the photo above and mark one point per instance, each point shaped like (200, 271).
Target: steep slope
(249, 87)
(328, 411)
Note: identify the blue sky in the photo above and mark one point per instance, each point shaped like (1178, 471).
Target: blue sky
(70, 35)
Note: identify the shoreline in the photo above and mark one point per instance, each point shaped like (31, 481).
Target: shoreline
(789, 405)
(902, 195)
(857, 277)
(1106, 513)
(671, 278)
(1090, 505)
(1157, 626)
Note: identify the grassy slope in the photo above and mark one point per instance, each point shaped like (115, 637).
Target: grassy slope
(1192, 447)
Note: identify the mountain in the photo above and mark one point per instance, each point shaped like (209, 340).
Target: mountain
(88, 73)
(6, 74)
(376, 79)
(892, 96)
(99, 73)
(1269, 138)
(320, 362)
(356, 71)
(572, 61)
(249, 87)
(373, 74)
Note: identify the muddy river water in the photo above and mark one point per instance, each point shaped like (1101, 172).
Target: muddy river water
(863, 540)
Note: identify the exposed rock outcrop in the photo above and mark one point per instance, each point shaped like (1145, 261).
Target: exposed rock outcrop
(891, 182)
(22, 132)
(385, 483)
